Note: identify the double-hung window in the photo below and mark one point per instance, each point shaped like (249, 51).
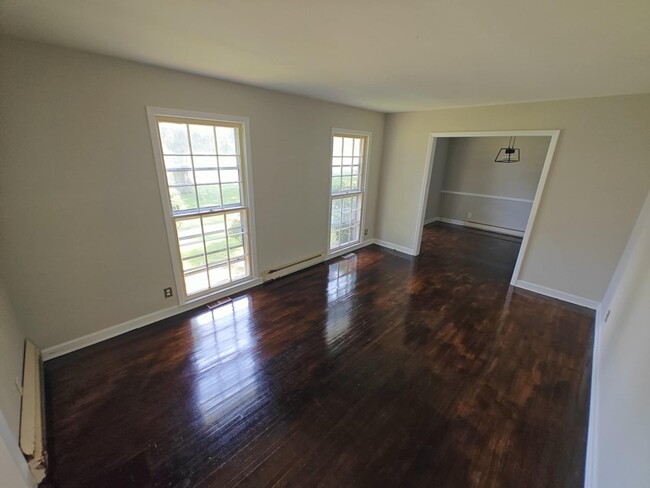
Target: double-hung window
(203, 178)
(349, 153)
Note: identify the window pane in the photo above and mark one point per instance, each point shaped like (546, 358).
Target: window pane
(336, 161)
(231, 195)
(215, 243)
(347, 146)
(357, 147)
(226, 140)
(178, 178)
(202, 138)
(237, 252)
(205, 162)
(219, 275)
(336, 184)
(228, 161)
(238, 270)
(173, 138)
(337, 146)
(229, 175)
(214, 224)
(178, 162)
(182, 198)
(196, 282)
(206, 176)
(217, 257)
(209, 196)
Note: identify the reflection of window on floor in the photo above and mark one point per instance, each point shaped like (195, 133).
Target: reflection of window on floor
(342, 280)
(225, 360)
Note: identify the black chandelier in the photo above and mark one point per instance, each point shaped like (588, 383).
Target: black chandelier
(508, 154)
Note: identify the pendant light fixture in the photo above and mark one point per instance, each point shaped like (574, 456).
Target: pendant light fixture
(508, 154)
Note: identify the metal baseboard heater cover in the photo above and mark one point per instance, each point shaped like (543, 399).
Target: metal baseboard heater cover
(32, 432)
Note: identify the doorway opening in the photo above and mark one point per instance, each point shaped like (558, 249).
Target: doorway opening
(464, 185)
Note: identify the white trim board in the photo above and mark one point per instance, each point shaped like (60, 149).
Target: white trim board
(431, 220)
(592, 429)
(495, 197)
(395, 247)
(560, 295)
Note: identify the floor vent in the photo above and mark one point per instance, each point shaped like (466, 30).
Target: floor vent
(218, 303)
(348, 255)
(32, 432)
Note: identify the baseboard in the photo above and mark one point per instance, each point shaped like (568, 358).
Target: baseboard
(431, 220)
(395, 247)
(592, 430)
(452, 221)
(356, 247)
(143, 321)
(137, 323)
(560, 295)
(496, 230)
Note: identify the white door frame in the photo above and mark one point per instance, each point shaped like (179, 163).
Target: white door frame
(426, 182)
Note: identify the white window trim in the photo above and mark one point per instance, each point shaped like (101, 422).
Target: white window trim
(246, 168)
(364, 189)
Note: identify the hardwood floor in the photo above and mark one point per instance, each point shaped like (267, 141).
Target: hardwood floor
(380, 370)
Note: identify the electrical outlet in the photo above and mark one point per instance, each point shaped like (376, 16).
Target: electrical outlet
(469, 215)
(19, 386)
(365, 232)
(168, 292)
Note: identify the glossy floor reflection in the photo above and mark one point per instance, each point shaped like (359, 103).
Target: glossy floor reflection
(379, 370)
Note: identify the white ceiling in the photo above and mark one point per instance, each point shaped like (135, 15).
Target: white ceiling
(386, 55)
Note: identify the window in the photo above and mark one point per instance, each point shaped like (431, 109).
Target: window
(347, 188)
(203, 180)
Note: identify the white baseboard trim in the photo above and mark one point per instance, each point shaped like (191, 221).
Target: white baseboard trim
(431, 220)
(592, 430)
(496, 230)
(560, 295)
(129, 325)
(395, 247)
(356, 247)
(452, 221)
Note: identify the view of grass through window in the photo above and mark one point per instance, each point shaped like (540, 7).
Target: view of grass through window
(202, 161)
(346, 192)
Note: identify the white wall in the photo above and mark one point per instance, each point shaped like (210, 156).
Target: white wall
(12, 340)
(437, 177)
(619, 438)
(596, 185)
(82, 228)
(471, 169)
(13, 469)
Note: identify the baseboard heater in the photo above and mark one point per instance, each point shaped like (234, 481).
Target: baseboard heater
(32, 432)
(494, 228)
(286, 269)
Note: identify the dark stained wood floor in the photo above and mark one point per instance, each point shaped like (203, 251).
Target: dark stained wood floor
(377, 371)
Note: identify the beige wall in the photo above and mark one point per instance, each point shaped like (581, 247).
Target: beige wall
(621, 427)
(13, 469)
(82, 226)
(12, 340)
(596, 185)
(470, 168)
(437, 176)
